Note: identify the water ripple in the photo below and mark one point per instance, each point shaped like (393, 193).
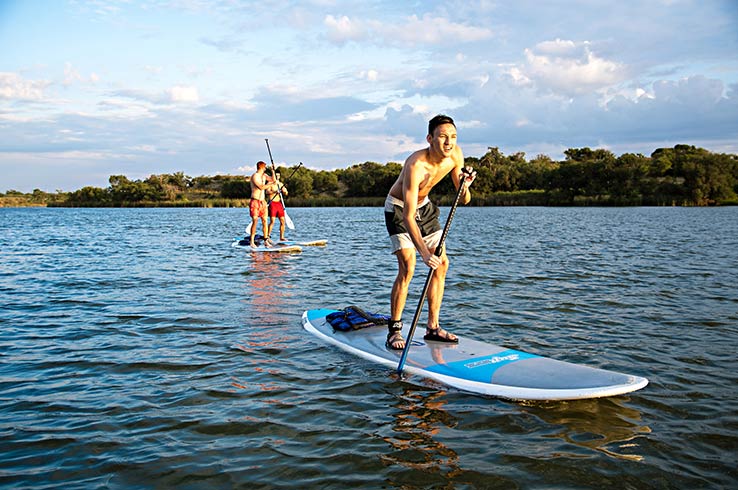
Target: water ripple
(138, 350)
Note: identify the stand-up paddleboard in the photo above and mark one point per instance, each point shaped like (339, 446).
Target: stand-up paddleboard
(246, 245)
(479, 367)
(310, 243)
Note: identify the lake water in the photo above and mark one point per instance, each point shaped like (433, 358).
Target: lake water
(139, 350)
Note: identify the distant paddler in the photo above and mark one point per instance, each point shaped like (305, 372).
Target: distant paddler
(260, 185)
(276, 207)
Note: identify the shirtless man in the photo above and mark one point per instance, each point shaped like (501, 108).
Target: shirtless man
(276, 209)
(412, 223)
(260, 183)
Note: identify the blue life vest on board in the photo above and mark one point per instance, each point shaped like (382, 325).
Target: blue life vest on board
(354, 318)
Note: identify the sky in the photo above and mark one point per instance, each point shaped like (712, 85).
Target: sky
(90, 89)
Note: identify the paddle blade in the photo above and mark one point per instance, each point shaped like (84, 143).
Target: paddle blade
(289, 222)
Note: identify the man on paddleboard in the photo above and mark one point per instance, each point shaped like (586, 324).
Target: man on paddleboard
(260, 183)
(276, 208)
(412, 223)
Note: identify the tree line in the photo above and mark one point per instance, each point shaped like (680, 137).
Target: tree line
(682, 175)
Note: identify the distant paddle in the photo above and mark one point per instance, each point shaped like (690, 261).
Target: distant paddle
(287, 219)
(438, 252)
(281, 185)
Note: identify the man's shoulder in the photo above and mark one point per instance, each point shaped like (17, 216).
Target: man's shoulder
(419, 156)
(422, 157)
(458, 155)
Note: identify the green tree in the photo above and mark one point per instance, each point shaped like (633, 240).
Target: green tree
(629, 176)
(179, 180)
(301, 184)
(236, 189)
(505, 172)
(369, 179)
(325, 182)
(206, 183)
(537, 173)
(124, 190)
(89, 196)
(709, 178)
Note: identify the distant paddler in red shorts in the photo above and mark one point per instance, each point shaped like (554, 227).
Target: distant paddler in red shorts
(260, 184)
(276, 208)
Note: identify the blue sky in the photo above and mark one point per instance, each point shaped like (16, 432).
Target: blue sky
(90, 89)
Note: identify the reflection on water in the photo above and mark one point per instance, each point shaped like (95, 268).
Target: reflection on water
(607, 425)
(422, 419)
(265, 287)
(418, 418)
(265, 292)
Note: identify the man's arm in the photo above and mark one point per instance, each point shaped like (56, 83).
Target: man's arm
(410, 188)
(261, 183)
(456, 176)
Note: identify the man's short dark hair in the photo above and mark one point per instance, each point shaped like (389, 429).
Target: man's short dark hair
(437, 121)
(260, 164)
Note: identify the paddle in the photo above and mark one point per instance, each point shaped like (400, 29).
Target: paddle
(438, 252)
(287, 219)
(286, 180)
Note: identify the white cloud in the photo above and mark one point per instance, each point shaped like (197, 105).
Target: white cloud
(369, 75)
(15, 87)
(567, 68)
(518, 76)
(71, 75)
(482, 80)
(558, 47)
(432, 30)
(428, 30)
(695, 91)
(343, 29)
(181, 93)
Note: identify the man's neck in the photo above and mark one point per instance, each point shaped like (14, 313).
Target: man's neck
(435, 158)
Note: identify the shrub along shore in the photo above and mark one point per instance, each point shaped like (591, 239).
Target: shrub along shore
(680, 176)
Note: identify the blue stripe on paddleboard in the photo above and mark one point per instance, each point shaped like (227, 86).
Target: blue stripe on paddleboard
(482, 368)
(315, 315)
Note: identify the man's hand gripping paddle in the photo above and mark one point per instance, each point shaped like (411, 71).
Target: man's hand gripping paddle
(439, 250)
(287, 219)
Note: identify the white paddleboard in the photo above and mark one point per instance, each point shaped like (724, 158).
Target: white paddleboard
(311, 243)
(244, 244)
(478, 367)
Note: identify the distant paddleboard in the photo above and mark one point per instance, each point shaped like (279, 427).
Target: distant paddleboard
(479, 367)
(313, 243)
(244, 244)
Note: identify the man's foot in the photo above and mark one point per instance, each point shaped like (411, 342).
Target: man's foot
(268, 242)
(395, 340)
(440, 335)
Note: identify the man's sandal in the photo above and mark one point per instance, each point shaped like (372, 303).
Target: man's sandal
(394, 337)
(435, 335)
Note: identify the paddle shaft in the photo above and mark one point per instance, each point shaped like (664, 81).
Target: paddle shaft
(281, 185)
(438, 252)
(290, 225)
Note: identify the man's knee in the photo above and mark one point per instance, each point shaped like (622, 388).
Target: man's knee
(406, 266)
